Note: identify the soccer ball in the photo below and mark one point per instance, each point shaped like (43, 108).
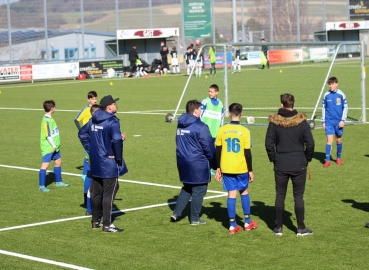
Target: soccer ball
(250, 120)
(169, 117)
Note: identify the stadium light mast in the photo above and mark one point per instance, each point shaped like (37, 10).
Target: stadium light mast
(243, 22)
(298, 19)
(9, 34)
(46, 36)
(83, 32)
(234, 21)
(150, 12)
(271, 20)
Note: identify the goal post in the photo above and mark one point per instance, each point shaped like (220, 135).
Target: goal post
(301, 69)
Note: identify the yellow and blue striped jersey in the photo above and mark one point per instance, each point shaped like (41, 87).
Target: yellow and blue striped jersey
(234, 139)
(83, 117)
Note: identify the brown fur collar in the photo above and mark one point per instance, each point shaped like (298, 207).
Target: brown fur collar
(287, 122)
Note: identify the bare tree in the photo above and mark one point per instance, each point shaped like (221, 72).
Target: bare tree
(284, 17)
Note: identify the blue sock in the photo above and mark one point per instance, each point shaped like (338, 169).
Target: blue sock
(57, 173)
(42, 177)
(88, 202)
(328, 148)
(86, 167)
(339, 150)
(231, 207)
(245, 199)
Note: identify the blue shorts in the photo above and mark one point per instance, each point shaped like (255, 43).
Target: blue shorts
(51, 156)
(331, 130)
(235, 181)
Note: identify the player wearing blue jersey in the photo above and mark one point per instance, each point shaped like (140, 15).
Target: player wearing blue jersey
(334, 114)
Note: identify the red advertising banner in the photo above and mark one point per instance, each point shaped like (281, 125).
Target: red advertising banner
(26, 73)
(285, 56)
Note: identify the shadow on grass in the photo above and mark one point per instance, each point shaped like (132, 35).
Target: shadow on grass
(50, 179)
(366, 155)
(219, 213)
(79, 168)
(364, 206)
(319, 156)
(267, 214)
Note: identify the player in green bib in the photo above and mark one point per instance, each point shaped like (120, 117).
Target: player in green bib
(50, 147)
(212, 112)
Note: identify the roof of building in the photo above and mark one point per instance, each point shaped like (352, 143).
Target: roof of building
(25, 35)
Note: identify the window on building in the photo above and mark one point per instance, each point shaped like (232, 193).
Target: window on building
(93, 52)
(86, 53)
(43, 55)
(55, 54)
(71, 54)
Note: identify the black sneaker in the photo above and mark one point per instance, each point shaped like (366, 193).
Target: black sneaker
(174, 218)
(96, 225)
(111, 229)
(278, 231)
(304, 232)
(88, 213)
(367, 224)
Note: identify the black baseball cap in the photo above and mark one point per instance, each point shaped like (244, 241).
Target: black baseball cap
(107, 100)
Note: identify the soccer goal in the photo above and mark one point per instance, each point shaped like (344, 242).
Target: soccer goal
(301, 69)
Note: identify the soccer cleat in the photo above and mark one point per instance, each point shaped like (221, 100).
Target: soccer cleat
(43, 189)
(199, 222)
(304, 232)
(174, 218)
(96, 225)
(327, 164)
(233, 230)
(61, 184)
(212, 173)
(88, 213)
(339, 161)
(278, 231)
(367, 224)
(251, 226)
(111, 229)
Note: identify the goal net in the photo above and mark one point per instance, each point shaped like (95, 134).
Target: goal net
(301, 69)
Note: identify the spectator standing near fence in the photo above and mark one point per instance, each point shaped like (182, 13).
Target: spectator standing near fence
(132, 59)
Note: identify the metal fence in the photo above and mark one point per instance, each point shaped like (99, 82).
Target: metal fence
(28, 25)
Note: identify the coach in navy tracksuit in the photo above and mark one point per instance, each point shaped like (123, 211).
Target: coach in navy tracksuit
(195, 151)
(106, 157)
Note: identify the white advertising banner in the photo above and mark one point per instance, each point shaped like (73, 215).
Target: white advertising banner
(11, 73)
(252, 58)
(356, 25)
(50, 71)
(318, 53)
(147, 33)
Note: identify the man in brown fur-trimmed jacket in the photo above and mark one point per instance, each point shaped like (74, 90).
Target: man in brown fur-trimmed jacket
(290, 146)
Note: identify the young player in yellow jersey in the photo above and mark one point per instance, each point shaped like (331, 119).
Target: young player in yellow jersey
(234, 164)
(82, 119)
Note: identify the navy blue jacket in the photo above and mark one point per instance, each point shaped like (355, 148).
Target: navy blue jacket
(195, 150)
(102, 139)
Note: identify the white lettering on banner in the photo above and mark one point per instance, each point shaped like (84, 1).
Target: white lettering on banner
(212, 114)
(148, 33)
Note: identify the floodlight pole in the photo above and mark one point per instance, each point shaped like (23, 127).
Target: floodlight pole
(46, 36)
(9, 34)
(234, 21)
(83, 32)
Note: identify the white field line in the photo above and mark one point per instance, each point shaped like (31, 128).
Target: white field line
(66, 81)
(120, 180)
(114, 212)
(37, 259)
(160, 112)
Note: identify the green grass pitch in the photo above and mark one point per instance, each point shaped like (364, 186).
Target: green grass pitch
(52, 226)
